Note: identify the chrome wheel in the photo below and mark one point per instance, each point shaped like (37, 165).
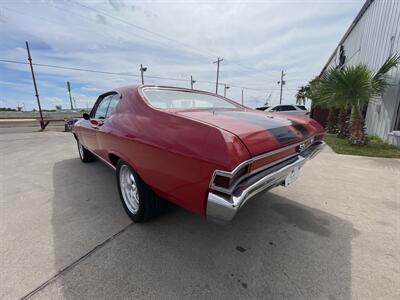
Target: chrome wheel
(80, 147)
(129, 189)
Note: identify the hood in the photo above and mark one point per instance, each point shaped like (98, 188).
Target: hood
(259, 131)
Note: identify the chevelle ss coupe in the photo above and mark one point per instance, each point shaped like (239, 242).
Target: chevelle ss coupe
(201, 151)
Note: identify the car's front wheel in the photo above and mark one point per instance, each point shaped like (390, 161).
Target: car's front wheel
(84, 154)
(138, 199)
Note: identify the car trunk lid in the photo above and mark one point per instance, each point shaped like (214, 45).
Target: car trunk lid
(259, 131)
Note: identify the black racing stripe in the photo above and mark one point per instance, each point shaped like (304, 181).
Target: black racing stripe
(279, 128)
(303, 130)
(283, 134)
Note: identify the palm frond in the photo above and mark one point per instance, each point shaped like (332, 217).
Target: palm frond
(302, 94)
(380, 80)
(349, 85)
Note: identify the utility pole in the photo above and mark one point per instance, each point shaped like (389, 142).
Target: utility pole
(226, 88)
(281, 83)
(242, 96)
(217, 62)
(192, 81)
(34, 84)
(69, 92)
(267, 99)
(142, 70)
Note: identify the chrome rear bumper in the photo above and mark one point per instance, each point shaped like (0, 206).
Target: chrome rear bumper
(221, 207)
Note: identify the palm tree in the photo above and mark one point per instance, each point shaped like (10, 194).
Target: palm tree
(355, 86)
(311, 92)
(302, 94)
(343, 122)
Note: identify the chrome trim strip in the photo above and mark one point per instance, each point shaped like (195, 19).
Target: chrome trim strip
(103, 160)
(222, 208)
(254, 159)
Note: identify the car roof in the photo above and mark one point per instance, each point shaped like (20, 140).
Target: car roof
(137, 86)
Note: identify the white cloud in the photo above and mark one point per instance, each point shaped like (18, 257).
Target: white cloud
(257, 39)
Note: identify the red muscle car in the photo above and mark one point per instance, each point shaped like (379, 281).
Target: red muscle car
(199, 150)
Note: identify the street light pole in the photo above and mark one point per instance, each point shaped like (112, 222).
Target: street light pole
(242, 96)
(217, 62)
(281, 83)
(142, 70)
(69, 92)
(226, 88)
(192, 81)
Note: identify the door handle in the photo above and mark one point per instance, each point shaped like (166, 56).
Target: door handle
(96, 124)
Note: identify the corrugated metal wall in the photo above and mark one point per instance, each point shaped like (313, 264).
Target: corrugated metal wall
(374, 38)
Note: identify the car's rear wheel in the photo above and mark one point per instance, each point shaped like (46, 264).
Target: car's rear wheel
(138, 199)
(84, 154)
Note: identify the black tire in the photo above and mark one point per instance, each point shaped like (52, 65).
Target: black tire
(149, 204)
(84, 154)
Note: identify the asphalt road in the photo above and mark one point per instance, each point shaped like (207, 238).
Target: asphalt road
(333, 234)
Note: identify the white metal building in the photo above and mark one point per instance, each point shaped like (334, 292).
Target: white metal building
(373, 36)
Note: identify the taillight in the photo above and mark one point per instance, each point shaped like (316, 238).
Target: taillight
(227, 181)
(222, 181)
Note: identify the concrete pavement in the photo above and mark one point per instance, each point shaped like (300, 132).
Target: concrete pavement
(333, 234)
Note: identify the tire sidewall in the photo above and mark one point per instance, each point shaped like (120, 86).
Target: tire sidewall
(86, 156)
(138, 216)
(81, 155)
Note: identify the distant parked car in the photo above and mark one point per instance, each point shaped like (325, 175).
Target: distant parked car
(198, 150)
(288, 109)
(263, 107)
(69, 123)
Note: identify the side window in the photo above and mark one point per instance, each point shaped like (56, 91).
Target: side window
(287, 108)
(276, 108)
(301, 107)
(113, 103)
(101, 110)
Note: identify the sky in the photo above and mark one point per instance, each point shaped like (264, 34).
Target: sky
(173, 39)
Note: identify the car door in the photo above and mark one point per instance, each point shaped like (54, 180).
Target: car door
(96, 120)
(302, 110)
(287, 109)
(104, 133)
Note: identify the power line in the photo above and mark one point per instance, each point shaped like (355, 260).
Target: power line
(290, 90)
(149, 31)
(52, 21)
(132, 75)
(86, 19)
(140, 27)
(198, 50)
(69, 68)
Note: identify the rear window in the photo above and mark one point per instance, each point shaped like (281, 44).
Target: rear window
(164, 99)
(283, 108)
(302, 107)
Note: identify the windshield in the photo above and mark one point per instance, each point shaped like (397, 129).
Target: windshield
(163, 98)
(302, 107)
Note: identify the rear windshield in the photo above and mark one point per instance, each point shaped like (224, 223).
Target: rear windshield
(302, 107)
(161, 98)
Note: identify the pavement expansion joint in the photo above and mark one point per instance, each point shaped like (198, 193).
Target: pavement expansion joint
(75, 263)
